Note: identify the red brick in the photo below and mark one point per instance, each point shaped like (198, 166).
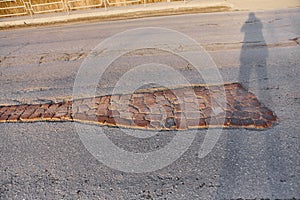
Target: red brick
(139, 116)
(153, 117)
(105, 100)
(111, 121)
(115, 98)
(189, 99)
(37, 114)
(194, 115)
(170, 95)
(92, 118)
(143, 109)
(122, 121)
(181, 124)
(137, 100)
(149, 101)
(80, 116)
(113, 113)
(141, 123)
(126, 115)
(28, 112)
(192, 122)
(102, 119)
(133, 110)
(156, 125)
(202, 122)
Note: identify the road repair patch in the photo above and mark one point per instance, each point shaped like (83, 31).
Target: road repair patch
(191, 107)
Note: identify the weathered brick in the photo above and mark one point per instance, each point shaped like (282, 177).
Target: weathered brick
(141, 123)
(126, 115)
(156, 125)
(79, 116)
(194, 115)
(102, 119)
(181, 124)
(167, 109)
(170, 95)
(122, 121)
(111, 121)
(153, 117)
(139, 116)
(192, 123)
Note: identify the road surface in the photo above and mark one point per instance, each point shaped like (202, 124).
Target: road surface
(49, 161)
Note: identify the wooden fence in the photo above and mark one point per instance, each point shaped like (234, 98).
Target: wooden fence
(10, 8)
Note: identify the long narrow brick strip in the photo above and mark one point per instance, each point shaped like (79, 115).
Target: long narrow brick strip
(160, 109)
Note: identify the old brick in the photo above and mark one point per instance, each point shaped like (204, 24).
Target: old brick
(254, 115)
(137, 100)
(189, 99)
(92, 118)
(111, 121)
(260, 123)
(126, 115)
(269, 116)
(123, 122)
(125, 99)
(207, 111)
(150, 100)
(83, 108)
(141, 123)
(192, 123)
(181, 124)
(133, 110)
(115, 98)
(91, 112)
(236, 122)
(37, 114)
(80, 116)
(189, 107)
(143, 109)
(28, 112)
(102, 119)
(194, 115)
(202, 123)
(102, 111)
(170, 95)
(113, 113)
(153, 117)
(105, 100)
(139, 116)
(156, 125)
(247, 122)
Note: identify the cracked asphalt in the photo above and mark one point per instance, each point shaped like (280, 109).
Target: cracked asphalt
(48, 160)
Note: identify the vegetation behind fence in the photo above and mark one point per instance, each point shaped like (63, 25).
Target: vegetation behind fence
(30, 7)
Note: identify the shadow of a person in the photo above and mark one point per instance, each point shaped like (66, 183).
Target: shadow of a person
(254, 53)
(253, 58)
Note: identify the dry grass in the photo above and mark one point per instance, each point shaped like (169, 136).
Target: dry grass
(13, 10)
(58, 5)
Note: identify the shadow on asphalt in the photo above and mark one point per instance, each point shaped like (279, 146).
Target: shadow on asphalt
(235, 168)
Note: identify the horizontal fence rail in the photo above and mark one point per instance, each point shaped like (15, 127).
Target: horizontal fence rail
(82, 4)
(124, 2)
(45, 7)
(10, 8)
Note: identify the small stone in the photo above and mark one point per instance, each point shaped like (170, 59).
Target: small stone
(170, 122)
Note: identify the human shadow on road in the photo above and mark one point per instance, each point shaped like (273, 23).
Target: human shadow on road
(242, 144)
(253, 57)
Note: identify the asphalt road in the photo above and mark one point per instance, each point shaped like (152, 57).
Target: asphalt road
(49, 161)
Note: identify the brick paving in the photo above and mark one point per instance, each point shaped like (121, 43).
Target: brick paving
(155, 109)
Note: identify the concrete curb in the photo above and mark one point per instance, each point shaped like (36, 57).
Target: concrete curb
(130, 13)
